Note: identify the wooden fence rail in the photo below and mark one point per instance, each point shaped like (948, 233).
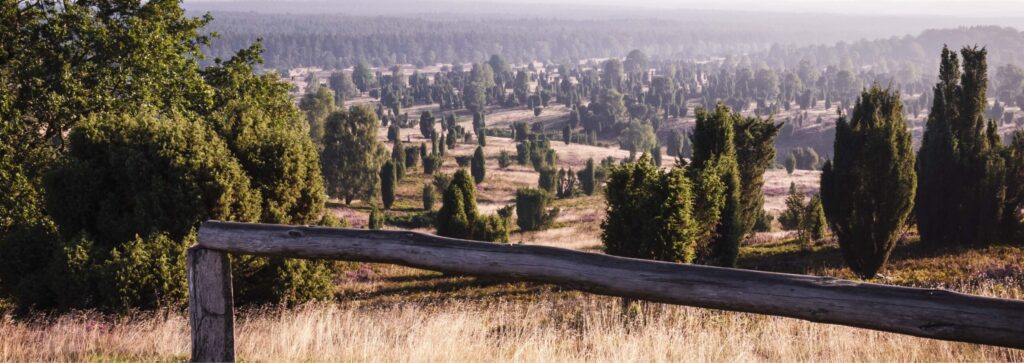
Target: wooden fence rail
(930, 313)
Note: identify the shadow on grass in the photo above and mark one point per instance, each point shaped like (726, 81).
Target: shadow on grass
(787, 256)
(427, 287)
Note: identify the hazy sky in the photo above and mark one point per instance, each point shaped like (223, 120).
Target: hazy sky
(979, 8)
(955, 8)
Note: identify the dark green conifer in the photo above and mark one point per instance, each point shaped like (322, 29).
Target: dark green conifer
(961, 189)
(868, 188)
(388, 177)
(478, 166)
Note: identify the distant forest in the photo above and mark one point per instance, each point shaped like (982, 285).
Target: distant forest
(339, 41)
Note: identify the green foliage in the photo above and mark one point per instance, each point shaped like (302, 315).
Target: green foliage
(127, 176)
(491, 229)
(763, 222)
(376, 219)
(428, 197)
(343, 87)
(432, 163)
(792, 217)
(868, 189)
(755, 152)
(317, 107)
(587, 178)
(674, 145)
(352, 155)
(458, 207)
(329, 220)
(714, 149)
(802, 158)
(504, 159)
(478, 166)
(398, 156)
(532, 212)
(151, 144)
(638, 137)
(961, 185)
(412, 157)
(813, 222)
(427, 124)
(388, 180)
(649, 213)
(547, 180)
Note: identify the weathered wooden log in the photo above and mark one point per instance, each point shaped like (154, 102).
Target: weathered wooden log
(930, 313)
(210, 306)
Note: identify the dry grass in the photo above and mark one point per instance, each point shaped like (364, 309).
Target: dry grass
(552, 326)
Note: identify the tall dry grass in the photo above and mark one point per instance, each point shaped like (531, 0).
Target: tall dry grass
(556, 326)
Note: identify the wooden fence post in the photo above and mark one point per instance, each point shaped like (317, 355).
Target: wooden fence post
(210, 306)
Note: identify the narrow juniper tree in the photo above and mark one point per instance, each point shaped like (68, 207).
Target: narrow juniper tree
(674, 145)
(792, 217)
(398, 156)
(714, 150)
(588, 178)
(376, 219)
(428, 197)
(868, 189)
(961, 187)
(388, 176)
(478, 166)
(755, 152)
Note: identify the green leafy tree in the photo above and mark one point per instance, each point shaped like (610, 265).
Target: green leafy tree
(146, 54)
(317, 106)
(343, 87)
(638, 137)
(362, 76)
(352, 155)
(868, 188)
(790, 163)
(649, 213)
(478, 166)
(114, 187)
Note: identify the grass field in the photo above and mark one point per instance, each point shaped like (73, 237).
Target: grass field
(392, 313)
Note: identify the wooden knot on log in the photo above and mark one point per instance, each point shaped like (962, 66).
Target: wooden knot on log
(295, 233)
